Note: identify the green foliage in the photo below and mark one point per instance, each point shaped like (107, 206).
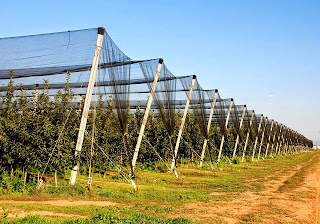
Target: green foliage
(5, 212)
(15, 184)
(100, 218)
(34, 130)
(236, 160)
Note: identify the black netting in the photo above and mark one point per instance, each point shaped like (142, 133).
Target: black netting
(198, 101)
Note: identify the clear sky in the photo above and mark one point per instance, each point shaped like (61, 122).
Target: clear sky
(265, 54)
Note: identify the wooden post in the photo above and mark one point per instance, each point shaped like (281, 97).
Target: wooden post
(38, 177)
(55, 179)
(269, 138)
(25, 177)
(226, 126)
(257, 137)
(11, 175)
(247, 138)
(183, 119)
(262, 137)
(85, 112)
(238, 135)
(192, 160)
(146, 114)
(205, 142)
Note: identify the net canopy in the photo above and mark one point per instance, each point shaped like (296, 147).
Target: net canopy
(222, 113)
(201, 100)
(65, 58)
(168, 90)
(235, 117)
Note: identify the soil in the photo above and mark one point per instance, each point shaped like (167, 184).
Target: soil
(61, 202)
(18, 213)
(301, 205)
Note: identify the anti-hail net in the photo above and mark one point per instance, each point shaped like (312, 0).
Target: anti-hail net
(169, 94)
(234, 117)
(198, 103)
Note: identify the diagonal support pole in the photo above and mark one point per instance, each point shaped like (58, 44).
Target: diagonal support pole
(262, 137)
(226, 126)
(146, 114)
(205, 142)
(238, 135)
(87, 102)
(269, 138)
(257, 137)
(278, 140)
(183, 119)
(274, 139)
(247, 138)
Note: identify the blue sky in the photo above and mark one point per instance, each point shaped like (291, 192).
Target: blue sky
(265, 54)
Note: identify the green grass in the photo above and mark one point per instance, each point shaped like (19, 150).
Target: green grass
(297, 179)
(103, 218)
(160, 195)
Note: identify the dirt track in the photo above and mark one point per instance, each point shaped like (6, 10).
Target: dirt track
(300, 205)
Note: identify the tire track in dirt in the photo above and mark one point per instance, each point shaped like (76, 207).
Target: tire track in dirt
(266, 206)
(317, 207)
(60, 202)
(19, 213)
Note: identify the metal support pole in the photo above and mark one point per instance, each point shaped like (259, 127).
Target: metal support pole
(226, 126)
(257, 137)
(247, 138)
(183, 119)
(146, 114)
(273, 141)
(286, 147)
(279, 136)
(205, 142)
(269, 139)
(238, 135)
(85, 112)
(262, 137)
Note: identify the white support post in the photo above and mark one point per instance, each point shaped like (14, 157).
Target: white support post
(257, 137)
(280, 138)
(286, 146)
(273, 141)
(208, 127)
(146, 114)
(247, 138)
(85, 112)
(238, 135)
(183, 119)
(262, 137)
(226, 126)
(269, 138)
(277, 147)
(281, 142)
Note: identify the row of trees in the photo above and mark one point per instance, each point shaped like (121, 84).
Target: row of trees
(34, 129)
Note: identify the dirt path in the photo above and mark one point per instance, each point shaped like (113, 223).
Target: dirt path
(300, 205)
(61, 202)
(19, 213)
